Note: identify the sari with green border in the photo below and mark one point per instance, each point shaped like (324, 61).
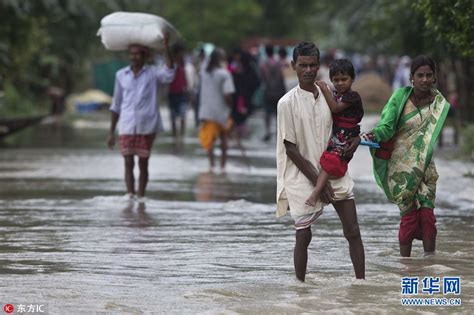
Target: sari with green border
(409, 176)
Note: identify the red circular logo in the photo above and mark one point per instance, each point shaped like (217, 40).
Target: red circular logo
(8, 308)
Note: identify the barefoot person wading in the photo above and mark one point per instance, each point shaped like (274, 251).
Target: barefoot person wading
(304, 128)
(134, 108)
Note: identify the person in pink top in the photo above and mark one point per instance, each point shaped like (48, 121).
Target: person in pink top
(178, 96)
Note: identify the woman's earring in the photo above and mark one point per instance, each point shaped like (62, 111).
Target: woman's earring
(412, 82)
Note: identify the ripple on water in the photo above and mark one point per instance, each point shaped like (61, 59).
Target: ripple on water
(77, 243)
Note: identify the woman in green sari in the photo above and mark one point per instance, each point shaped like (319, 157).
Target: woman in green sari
(410, 124)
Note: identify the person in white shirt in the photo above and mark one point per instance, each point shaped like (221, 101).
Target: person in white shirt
(402, 73)
(215, 101)
(304, 126)
(134, 108)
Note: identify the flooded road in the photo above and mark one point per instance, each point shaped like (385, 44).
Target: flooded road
(203, 243)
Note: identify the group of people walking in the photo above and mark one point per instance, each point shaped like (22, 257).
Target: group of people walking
(221, 90)
(317, 134)
(226, 96)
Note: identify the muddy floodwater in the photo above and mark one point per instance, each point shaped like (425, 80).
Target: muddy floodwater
(203, 242)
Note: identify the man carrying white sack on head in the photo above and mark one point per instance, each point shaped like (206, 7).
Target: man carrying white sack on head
(134, 108)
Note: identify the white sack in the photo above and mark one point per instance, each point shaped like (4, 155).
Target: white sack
(121, 29)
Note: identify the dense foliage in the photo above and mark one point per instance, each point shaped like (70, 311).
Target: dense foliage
(53, 42)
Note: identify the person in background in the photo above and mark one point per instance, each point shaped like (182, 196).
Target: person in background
(323, 72)
(57, 96)
(273, 86)
(180, 91)
(402, 73)
(282, 59)
(246, 82)
(215, 99)
(198, 63)
(135, 110)
(289, 76)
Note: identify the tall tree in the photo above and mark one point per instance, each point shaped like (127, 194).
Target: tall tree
(452, 23)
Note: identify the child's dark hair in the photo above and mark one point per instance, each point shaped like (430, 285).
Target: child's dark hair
(342, 66)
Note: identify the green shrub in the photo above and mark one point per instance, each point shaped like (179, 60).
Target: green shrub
(15, 104)
(467, 144)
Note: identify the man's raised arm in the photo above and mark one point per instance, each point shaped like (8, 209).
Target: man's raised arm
(166, 74)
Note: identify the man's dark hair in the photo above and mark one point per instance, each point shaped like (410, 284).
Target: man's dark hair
(144, 51)
(421, 61)
(215, 59)
(305, 49)
(269, 50)
(342, 66)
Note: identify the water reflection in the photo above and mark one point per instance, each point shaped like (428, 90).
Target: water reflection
(134, 215)
(73, 241)
(210, 186)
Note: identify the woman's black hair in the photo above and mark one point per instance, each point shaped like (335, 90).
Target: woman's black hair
(214, 60)
(282, 52)
(343, 66)
(421, 61)
(246, 61)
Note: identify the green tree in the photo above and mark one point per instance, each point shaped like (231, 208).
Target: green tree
(220, 22)
(443, 29)
(45, 42)
(452, 23)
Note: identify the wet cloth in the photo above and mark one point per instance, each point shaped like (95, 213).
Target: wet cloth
(345, 126)
(136, 145)
(419, 224)
(135, 99)
(409, 177)
(304, 221)
(307, 123)
(209, 132)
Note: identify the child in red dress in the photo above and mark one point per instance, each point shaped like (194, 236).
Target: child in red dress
(346, 107)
